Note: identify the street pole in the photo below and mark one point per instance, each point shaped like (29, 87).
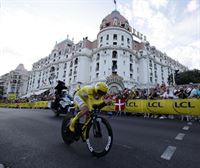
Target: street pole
(147, 76)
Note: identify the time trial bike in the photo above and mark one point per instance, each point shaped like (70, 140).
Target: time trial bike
(95, 131)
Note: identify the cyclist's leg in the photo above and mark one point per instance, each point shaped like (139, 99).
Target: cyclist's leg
(83, 111)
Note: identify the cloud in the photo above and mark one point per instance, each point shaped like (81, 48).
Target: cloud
(187, 55)
(192, 5)
(158, 3)
(176, 34)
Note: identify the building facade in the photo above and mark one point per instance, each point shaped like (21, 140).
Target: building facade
(119, 52)
(14, 83)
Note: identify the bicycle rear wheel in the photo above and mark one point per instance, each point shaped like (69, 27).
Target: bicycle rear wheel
(99, 137)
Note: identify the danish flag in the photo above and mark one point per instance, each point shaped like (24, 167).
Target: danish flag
(120, 104)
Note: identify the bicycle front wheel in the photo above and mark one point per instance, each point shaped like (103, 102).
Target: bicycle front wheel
(99, 137)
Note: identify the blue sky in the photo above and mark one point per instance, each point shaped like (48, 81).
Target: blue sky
(30, 28)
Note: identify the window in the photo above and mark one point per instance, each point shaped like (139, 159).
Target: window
(107, 37)
(114, 65)
(101, 39)
(155, 67)
(128, 40)
(131, 58)
(75, 70)
(114, 43)
(114, 36)
(70, 73)
(131, 76)
(71, 63)
(76, 61)
(64, 74)
(97, 75)
(114, 54)
(65, 66)
(59, 53)
(151, 79)
(131, 67)
(122, 38)
(97, 67)
(98, 56)
(150, 63)
(104, 61)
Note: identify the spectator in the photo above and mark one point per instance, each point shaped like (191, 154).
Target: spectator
(197, 92)
(181, 93)
(193, 90)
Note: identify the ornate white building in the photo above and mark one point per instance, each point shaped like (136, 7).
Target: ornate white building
(15, 82)
(118, 49)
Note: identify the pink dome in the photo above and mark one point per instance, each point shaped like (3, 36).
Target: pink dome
(115, 19)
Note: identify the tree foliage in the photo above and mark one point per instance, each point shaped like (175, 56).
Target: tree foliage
(187, 77)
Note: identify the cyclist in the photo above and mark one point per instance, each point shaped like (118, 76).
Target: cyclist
(86, 97)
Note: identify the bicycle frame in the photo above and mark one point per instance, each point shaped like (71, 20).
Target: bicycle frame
(92, 116)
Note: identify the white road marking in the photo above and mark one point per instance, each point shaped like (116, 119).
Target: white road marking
(180, 136)
(125, 146)
(1, 166)
(168, 153)
(186, 128)
(189, 123)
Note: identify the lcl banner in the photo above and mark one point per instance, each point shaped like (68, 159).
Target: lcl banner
(175, 106)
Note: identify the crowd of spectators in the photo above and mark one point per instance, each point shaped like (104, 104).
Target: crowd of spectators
(46, 96)
(160, 92)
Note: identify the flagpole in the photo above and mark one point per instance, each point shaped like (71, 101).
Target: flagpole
(115, 2)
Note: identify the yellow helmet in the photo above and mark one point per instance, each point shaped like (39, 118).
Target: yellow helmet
(101, 86)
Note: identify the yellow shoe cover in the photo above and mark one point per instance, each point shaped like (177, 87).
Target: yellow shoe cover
(72, 124)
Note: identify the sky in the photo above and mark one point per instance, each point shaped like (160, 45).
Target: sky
(29, 29)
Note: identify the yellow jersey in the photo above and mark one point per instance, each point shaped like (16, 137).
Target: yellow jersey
(87, 95)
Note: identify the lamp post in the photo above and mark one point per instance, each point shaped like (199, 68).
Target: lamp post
(147, 76)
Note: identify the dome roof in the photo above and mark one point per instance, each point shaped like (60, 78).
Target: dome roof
(20, 67)
(115, 19)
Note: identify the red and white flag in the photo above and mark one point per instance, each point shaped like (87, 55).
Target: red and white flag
(120, 104)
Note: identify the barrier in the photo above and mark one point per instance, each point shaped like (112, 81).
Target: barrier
(39, 104)
(175, 106)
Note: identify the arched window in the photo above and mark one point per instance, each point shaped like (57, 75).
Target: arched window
(52, 69)
(76, 61)
(114, 54)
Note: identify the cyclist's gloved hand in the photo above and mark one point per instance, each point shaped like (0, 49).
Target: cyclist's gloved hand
(95, 106)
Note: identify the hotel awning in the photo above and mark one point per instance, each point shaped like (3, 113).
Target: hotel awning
(34, 93)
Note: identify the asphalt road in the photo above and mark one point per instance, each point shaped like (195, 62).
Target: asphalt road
(31, 138)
